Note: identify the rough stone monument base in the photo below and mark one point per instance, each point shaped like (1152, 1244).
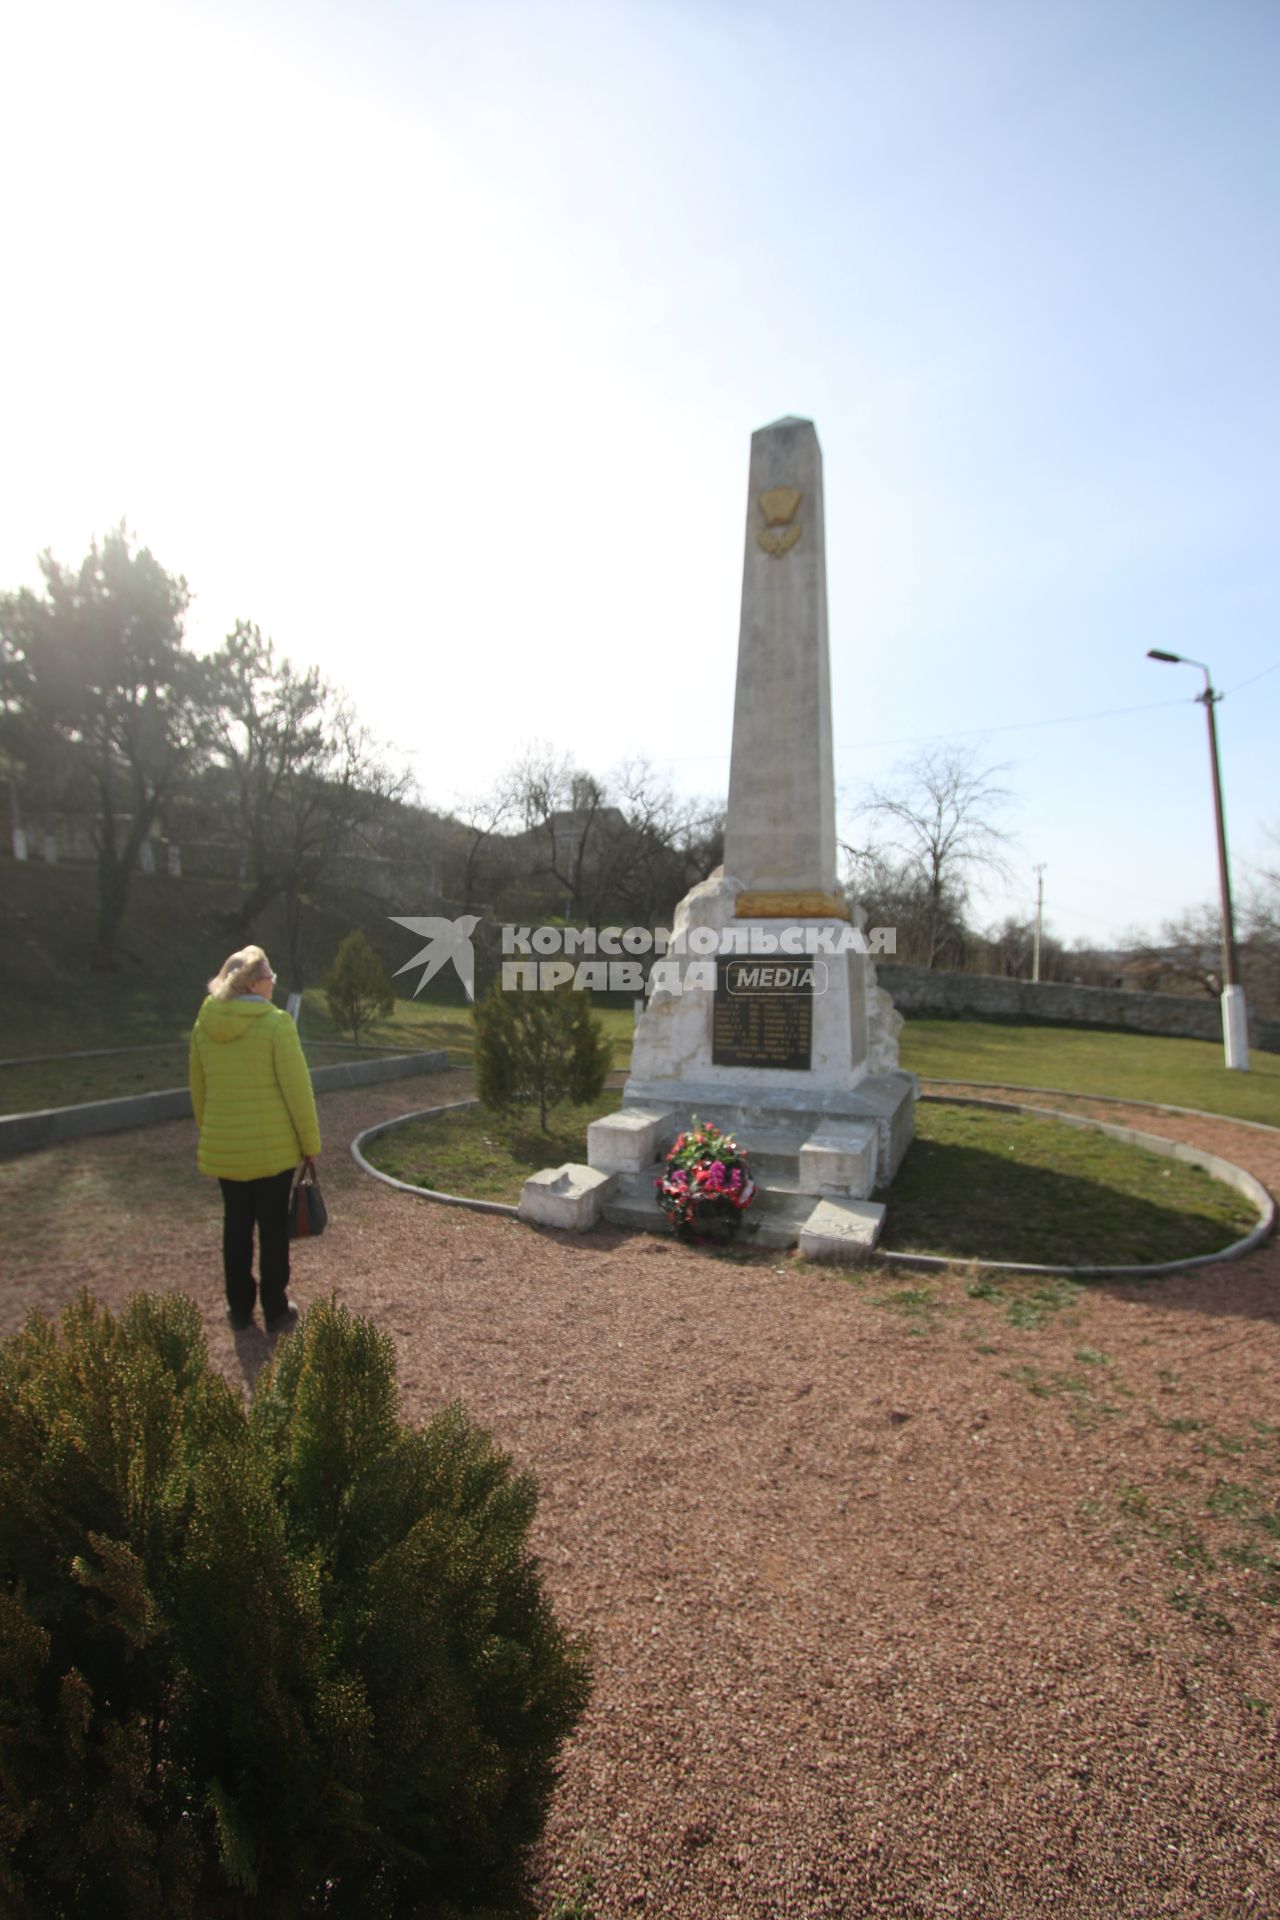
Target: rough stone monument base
(567, 1197)
(810, 1173)
(843, 1231)
(839, 1124)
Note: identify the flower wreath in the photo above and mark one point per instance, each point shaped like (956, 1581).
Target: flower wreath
(706, 1184)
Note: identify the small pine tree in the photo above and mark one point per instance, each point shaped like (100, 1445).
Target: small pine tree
(295, 1661)
(546, 1047)
(356, 985)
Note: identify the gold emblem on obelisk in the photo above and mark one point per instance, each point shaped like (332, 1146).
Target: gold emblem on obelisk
(778, 506)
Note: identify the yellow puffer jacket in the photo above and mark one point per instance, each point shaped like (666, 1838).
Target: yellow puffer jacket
(250, 1090)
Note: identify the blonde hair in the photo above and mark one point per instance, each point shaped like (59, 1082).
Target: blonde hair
(238, 973)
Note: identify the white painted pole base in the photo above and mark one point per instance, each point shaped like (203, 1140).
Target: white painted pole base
(1235, 1028)
(293, 1007)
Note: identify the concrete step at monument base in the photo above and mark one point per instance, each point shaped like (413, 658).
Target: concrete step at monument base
(773, 1152)
(772, 1127)
(774, 1219)
(783, 1195)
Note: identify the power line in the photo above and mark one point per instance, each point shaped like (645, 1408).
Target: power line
(1257, 676)
(960, 733)
(1013, 726)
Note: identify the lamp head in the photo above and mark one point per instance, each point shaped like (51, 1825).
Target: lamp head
(1154, 653)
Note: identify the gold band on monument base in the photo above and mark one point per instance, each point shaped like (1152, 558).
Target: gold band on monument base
(790, 906)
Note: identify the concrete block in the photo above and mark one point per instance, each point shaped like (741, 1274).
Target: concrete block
(629, 1141)
(844, 1231)
(567, 1196)
(840, 1159)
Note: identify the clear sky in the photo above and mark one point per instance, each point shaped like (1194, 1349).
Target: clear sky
(432, 336)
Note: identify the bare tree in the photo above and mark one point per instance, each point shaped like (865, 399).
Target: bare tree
(651, 846)
(481, 816)
(939, 834)
(1007, 949)
(1186, 957)
(621, 848)
(559, 805)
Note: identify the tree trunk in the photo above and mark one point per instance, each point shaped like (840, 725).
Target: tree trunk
(113, 898)
(469, 870)
(261, 894)
(293, 916)
(115, 869)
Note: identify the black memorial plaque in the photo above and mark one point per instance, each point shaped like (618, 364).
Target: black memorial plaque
(763, 1014)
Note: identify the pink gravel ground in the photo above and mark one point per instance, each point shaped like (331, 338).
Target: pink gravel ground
(898, 1608)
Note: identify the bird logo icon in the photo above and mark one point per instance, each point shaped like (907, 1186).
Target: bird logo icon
(446, 940)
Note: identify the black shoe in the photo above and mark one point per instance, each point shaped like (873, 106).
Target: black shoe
(285, 1321)
(240, 1322)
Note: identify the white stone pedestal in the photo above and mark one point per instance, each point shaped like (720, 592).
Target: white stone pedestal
(673, 1068)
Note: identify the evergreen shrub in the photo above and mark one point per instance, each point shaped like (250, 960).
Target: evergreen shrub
(356, 985)
(538, 1046)
(290, 1661)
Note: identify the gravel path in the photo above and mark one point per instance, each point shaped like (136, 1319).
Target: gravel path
(904, 1601)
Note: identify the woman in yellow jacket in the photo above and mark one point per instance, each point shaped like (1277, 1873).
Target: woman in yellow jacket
(257, 1118)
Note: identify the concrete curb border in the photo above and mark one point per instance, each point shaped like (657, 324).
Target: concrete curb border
(1105, 1099)
(406, 1186)
(47, 1127)
(166, 1046)
(1213, 1164)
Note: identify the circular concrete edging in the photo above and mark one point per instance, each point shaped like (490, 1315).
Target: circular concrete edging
(407, 1186)
(1213, 1164)
(1105, 1099)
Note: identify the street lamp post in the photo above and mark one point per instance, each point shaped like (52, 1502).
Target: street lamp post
(1235, 1023)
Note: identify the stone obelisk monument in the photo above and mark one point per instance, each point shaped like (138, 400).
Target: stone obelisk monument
(782, 1036)
(780, 839)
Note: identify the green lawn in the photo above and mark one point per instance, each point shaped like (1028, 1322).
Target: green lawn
(71, 1083)
(1183, 1073)
(486, 1156)
(1177, 1073)
(995, 1186)
(414, 1025)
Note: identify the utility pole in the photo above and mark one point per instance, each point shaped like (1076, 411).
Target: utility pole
(1235, 1020)
(1035, 959)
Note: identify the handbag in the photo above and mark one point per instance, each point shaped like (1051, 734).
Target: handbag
(308, 1215)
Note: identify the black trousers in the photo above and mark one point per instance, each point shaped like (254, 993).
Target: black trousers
(264, 1204)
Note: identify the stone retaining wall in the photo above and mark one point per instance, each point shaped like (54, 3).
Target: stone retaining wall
(24, 1132)
(987, 997)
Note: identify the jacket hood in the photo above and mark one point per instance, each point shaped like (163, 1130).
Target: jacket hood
(224, 1021)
